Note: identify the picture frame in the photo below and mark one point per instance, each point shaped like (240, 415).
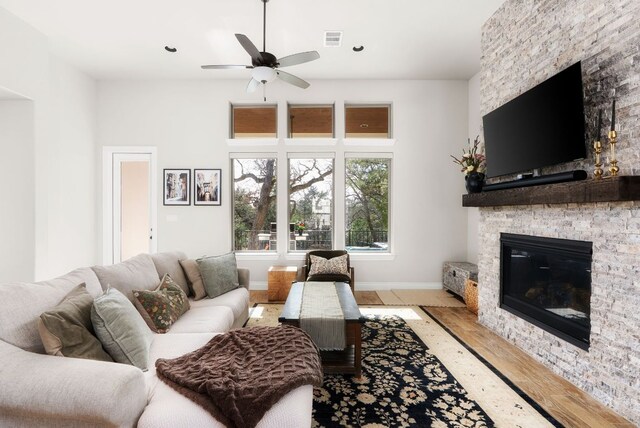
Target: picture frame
(207, 187)
(177, 187)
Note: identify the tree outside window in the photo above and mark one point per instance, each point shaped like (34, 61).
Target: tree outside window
(254, 204)
(310, 204)
(367, 204)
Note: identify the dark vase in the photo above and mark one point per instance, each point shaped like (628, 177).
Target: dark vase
(300, 232)
(474, 182)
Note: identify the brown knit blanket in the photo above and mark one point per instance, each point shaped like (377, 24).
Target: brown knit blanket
(238, 376)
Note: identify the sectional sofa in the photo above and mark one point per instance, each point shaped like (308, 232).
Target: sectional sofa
(37, 389)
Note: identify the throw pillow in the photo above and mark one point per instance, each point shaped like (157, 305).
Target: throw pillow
(196, 286)
(219, 274)
(66, 330)
(163, 306)
(170, 263)
(334, 266)
(121, 329)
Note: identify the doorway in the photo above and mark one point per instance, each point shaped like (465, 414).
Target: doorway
(129, 204)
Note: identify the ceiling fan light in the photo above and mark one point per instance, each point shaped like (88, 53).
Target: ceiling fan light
(263, 74)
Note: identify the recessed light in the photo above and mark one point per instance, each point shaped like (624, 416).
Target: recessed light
(358, 48)
(172, 50)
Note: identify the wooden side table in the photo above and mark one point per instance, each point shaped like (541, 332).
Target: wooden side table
(279, 280)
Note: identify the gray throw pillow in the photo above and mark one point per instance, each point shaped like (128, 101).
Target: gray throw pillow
(66, 330)
(121, 329)
(219, 274)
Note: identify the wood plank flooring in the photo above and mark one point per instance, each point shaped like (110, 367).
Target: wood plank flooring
(564, 401)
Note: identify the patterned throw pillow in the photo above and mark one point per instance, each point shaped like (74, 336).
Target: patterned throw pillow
(334, 266)
(163, 306)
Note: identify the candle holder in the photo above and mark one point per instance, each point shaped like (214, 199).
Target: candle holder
(597, 172)
(613, 162)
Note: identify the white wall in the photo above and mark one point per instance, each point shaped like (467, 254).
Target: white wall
(17, 215)
(189, 123)
(475, 129)
(63, 161)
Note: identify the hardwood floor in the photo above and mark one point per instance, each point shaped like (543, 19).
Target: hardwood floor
(561, 399)
(568, 404)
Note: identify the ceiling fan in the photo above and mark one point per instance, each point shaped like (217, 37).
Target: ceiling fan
(265, 65)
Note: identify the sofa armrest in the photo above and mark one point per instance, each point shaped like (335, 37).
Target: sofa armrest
(244, 277)
(43, 389)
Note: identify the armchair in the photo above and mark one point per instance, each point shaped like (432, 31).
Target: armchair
(303, 272)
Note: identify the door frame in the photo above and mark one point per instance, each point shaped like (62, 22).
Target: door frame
(108, 168)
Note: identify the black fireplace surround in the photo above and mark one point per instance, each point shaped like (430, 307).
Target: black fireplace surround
(547, 282)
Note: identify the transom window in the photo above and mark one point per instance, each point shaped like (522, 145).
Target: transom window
(254, 121)
(366, 121)
(309, 121)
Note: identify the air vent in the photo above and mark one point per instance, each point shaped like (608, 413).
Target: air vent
(332, 39)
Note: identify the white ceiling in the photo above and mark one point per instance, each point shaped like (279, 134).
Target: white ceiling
(125, 39)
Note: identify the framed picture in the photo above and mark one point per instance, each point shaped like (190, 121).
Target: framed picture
(176, 187)
(207, 186)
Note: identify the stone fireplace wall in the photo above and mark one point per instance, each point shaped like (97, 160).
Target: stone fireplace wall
(524, 43)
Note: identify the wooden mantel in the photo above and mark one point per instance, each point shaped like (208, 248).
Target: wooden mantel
(611, 189)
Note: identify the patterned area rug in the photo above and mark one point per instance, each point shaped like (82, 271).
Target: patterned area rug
(405, 383)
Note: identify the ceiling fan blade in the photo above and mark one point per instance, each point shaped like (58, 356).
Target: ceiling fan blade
(250, 47)
(298, 58)
(253, 85)
(294, 80)
(224, 67)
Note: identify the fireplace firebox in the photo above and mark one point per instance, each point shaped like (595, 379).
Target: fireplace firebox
(547, 282)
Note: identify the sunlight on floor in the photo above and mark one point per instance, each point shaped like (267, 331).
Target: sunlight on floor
(256, 312)
(404, 313)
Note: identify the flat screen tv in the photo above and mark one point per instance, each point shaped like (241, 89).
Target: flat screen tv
(542, 127)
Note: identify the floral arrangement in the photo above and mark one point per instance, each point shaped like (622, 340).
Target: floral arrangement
(471, 161)
(301, 226)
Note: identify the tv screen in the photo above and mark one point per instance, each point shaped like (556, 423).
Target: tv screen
(542, 127)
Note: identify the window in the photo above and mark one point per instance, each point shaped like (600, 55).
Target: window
(367, 204)
(362, 121)
(254, 121)
(310, 204)
(254, 204)
(307, 121)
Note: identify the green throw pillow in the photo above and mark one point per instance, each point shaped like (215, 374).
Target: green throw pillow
(219, 274)
(163, 306)
(121, 329)
(66, 330)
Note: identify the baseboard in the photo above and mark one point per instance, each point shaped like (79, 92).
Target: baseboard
(373, 286)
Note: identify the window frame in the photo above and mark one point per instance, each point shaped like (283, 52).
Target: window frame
(313, 155)
(252, 155)
(369, 155)
(341, 149)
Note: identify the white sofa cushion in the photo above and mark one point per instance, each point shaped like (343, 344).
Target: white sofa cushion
(217, 319)
(22, 304)
(136, 273)
(237, 300)
(169, 263)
